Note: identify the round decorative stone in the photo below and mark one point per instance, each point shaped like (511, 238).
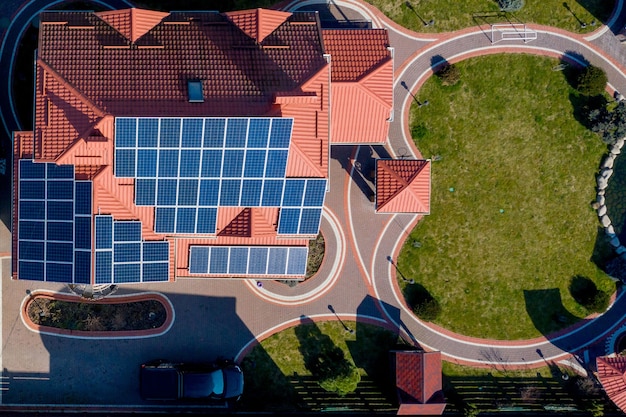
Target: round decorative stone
(605, 221)
(602, 211)
(608, 162)
(610, 230)
(615, 242)
(602, 183)
(600, 199)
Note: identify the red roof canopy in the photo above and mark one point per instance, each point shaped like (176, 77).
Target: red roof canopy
(403, 186)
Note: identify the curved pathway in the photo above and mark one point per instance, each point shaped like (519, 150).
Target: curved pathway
(414, 62)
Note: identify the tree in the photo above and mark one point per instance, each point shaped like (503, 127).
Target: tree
(510, 5)
(449, 75)
(609, 124)
(592, 81)
(334, 372)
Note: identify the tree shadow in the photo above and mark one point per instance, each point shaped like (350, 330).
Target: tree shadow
(603, 252)
(600, 10)
(545, 309)
(423, 304)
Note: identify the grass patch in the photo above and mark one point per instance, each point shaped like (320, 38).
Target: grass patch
(509, 142)
(277, 375)
(452, 15)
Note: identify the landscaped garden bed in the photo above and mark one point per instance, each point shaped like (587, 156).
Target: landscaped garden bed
(68, 314)
(511, 222)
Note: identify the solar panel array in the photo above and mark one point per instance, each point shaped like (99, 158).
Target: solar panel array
(254, 260)
(122, 257)
(189, 167)
(54, 224)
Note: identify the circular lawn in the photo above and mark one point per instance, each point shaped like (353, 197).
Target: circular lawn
(512, 182)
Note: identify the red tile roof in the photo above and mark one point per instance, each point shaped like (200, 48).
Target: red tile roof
(403, 186)
(132, 23)
(418, 382)
(362, 75)
(258, 23)
(612, 376)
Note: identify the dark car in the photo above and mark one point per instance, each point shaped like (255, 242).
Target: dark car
(163, 380)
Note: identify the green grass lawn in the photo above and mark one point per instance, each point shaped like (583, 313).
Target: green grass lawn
(277, 376)
(452, 15)
(508, 141)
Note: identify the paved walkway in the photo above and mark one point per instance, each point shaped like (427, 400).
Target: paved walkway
(355, 281)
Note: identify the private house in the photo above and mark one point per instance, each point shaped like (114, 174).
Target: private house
(190, 144)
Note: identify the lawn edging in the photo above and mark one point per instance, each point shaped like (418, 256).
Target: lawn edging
(114, 299)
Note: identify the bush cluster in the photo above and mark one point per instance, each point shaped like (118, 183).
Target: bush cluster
(591, 81)
(449, 75)
(422, 303)
(587, 294)
(334, 372)
(510, 5)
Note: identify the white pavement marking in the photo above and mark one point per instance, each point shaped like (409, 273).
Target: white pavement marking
(294, 322)
(68, 336)
(325, 286)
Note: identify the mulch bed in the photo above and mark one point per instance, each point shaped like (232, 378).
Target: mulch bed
(137, 315)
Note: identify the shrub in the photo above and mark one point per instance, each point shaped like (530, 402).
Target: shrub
(592, 81)
(609, 124)
(422, 303)
(449, 75)
(510, 5)
(587, 294)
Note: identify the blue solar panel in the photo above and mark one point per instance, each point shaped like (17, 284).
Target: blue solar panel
(272, 193)
(211, 163)
(31, 270)
(148, 133)
(82, 203)
(156, 251)
(61, 190)
(277, 261)
(229, 192)
(297, 261)
(82, 267)
(32, 190)
(59, 252)
(314, 194)
(60, 210)
(214, 133)
(207, 218)
(190, 163)
(170, 133)
(60, 171)
(31, 170)
(125, 132)
(257, 264)
(294, 191)
(209, 192)
(251, 193)
(31, 251)
(185, 220)
(276, 163)
(192, 133)
(233, 163)
(168, 163)
(127, 231)
(238, 262)
(288, 221)
(145, 192)
(31, 230)
(310, 221)
(218, 262)
(166, 194)
(104, 267)
(125, 273)
(147, 163)
(255, 164)
(104, 232)
(281, 133)
(57, 272)
(127, 252)
(258, 133)
(187, 192)
(32, 210)
(199, 260)
(155, 272)
(60, 231)
(82, 232)
(164, 219)
(236, 132)
(125, 163)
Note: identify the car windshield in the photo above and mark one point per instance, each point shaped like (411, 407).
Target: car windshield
(203, 385)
